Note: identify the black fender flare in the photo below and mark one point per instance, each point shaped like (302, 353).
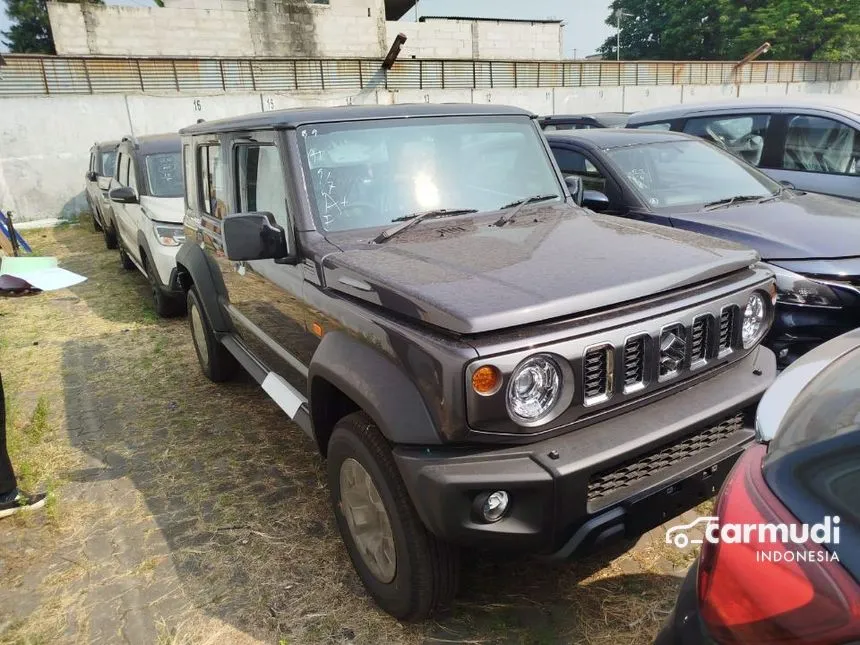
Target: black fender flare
(376, 385)
(143, 245)
(206, 276)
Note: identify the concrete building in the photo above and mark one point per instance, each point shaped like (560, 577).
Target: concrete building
(291, 28)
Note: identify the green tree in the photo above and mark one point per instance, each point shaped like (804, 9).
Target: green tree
(730, 29)
(30, 32)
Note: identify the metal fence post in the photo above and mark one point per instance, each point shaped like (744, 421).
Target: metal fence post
(175, 75)
(44, 75)
(322, 75)
(516, 80)
(87, 76)
(253, 78)
(139, 75)
(221, 68)
(443, 74)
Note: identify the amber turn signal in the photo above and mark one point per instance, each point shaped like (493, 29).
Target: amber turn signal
(772, 290)
(486, 380)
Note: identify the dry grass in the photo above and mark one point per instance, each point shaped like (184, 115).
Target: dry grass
(185, 512)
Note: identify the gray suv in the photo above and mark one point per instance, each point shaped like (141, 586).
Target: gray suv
(482, 362)
(101, 169)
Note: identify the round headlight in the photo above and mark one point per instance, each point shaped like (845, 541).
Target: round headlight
(755, 320)
(534, 389)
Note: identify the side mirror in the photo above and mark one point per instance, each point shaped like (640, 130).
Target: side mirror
(595, 200)
(91, 175)
(574, 184)
(254, 236)
(124, 195)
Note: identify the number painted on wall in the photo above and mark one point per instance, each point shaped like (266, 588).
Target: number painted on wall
(270, 103)
(198, 105)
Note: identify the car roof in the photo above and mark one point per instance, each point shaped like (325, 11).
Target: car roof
(608, 138)
(105, 145)
(296, 117)
(679, 111)
(153, 144)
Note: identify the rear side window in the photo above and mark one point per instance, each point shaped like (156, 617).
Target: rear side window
(213, 193)
(260, 182)
(816, 144)
(108, 163)
(742, 135)
(188, 165)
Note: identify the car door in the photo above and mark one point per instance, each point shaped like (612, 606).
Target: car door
(818, 153)
(120, 218)
(136, 217)
(246, 174)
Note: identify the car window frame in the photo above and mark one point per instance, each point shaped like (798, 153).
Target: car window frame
(626, 199)
(261, 139)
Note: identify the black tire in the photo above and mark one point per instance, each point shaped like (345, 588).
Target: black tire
(216, 362)
(164, 303)
(427, 569)
(110, 236)
(94, 218)
(124, 259)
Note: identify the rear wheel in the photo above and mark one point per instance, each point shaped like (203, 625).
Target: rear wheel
(409, 572)
(124, 258)
(165, 305)
(215, 361)
(110, 236)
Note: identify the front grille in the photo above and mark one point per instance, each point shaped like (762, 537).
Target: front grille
(596, 374)
(700, 339)
(620, 477)
(634, 362)
(727, 323)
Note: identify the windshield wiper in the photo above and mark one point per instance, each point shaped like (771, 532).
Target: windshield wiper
(408, 221)
(520, 204)
(737, 199)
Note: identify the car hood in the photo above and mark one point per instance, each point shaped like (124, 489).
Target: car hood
(799, 227)
(463, 275)
(164, 209)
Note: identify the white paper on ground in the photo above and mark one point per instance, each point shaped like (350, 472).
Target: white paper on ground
(17, 266)
(49, 279)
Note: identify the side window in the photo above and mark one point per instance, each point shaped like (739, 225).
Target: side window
(188, 175)
(132, 175)
(260, 182)
(92, 161)
(741, 135)
(122, 169)
(816, 144)
(654, 126)
(576, 163)
(212, 193)
(108, 164)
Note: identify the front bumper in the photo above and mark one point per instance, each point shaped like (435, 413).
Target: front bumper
(796, 330)
(618, 477)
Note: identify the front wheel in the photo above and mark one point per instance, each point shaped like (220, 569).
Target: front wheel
(216, 362)
(165, 305)
(124, 258)
(409, 572)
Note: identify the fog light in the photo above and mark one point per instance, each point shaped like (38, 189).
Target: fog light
(494, 507)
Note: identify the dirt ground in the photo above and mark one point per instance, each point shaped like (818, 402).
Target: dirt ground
(186, 512)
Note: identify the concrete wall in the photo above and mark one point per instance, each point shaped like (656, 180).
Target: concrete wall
(502, 40)
(344, 28)
(45, 141)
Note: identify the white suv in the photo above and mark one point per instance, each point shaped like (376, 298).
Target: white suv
(148, 207)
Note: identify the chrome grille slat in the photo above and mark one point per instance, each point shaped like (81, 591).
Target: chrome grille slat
(727, 323)
(634, 362)
(594, 373)
(700, 339)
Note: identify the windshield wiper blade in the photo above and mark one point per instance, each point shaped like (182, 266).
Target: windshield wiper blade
(520, 204)
(737, 199)
(408, 221)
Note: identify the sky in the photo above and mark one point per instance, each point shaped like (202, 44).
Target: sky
(584, 30)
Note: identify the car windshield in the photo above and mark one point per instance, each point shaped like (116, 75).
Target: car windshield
(673, 174)
(370, 174)
(164, 174)
(108, 163)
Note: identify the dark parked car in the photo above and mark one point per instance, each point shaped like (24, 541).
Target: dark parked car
(814, 147)
(98, 176)
(804, 469)
(812, 242)
(583, 121)
(481, 361)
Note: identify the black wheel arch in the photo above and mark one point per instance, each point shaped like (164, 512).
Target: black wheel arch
(195, 268)
(346, 374)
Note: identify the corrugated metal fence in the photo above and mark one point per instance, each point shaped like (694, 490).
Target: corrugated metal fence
(28, 75)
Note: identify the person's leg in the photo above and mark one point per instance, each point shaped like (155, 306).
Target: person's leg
(12, 500)
(8, 484)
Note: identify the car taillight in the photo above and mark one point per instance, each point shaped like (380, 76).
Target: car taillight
(748, 597)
